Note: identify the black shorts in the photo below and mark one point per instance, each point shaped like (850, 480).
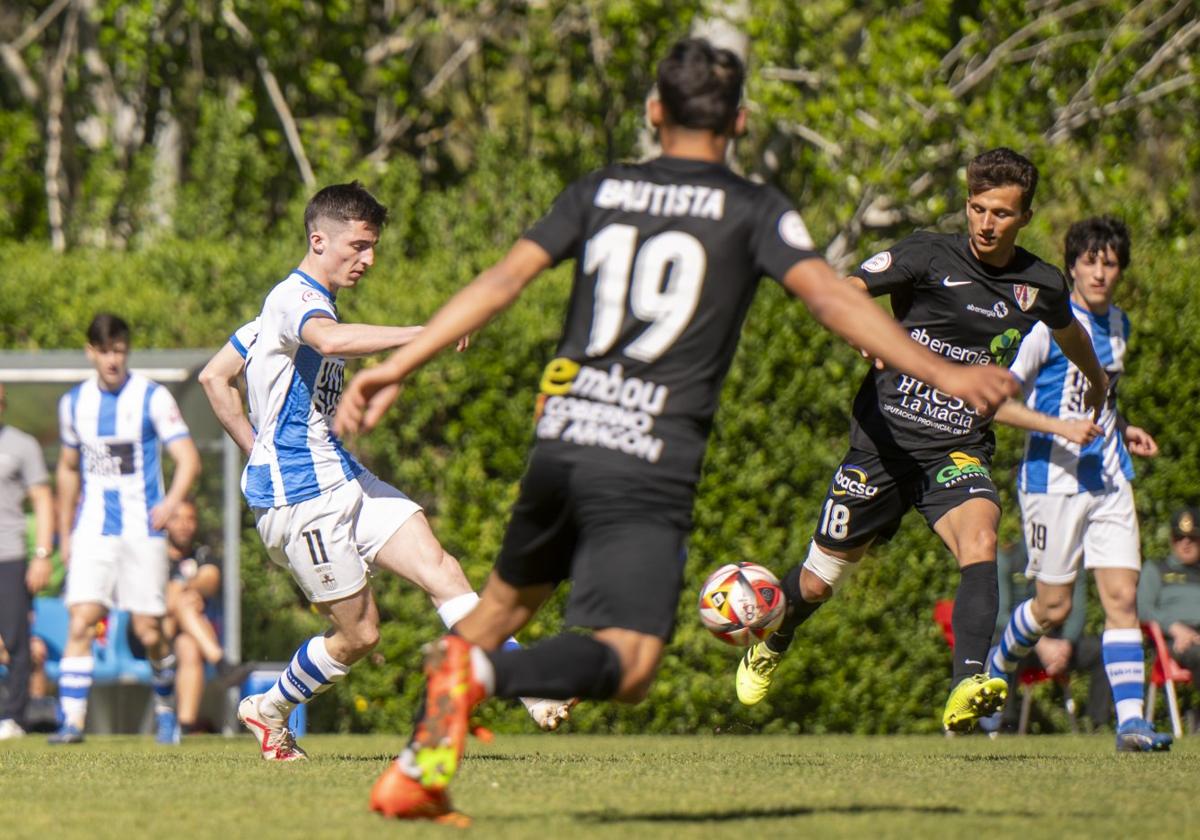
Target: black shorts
(870, 493)
(619, 537)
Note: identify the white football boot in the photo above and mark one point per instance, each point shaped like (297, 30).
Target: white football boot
(549, 714)
(275, 739)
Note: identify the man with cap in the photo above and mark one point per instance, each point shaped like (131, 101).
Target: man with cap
(1169, 591)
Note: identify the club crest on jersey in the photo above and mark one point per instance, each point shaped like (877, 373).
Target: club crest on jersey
(880, 262)
(1024, 295)
(793, 232)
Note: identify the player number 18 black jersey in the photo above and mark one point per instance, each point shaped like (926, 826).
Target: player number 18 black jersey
(971, 313)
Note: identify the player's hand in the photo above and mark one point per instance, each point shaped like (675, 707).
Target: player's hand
(1140, 442)
(1081, 431)
(463, 343)
(876, 362)
(160, 514)
(364, 401)
(38, 574)
(983, 387)
(1055, 655)
(1182, 637)
(1095, 395)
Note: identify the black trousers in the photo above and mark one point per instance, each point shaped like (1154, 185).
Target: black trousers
(15, 603)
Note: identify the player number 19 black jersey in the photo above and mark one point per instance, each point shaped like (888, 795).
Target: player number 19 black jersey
(668, 255)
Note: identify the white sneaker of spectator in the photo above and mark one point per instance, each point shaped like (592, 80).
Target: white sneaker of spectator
(9, 728)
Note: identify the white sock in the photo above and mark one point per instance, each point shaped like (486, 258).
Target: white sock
(163, 682)
(454, 610)
(74, 683)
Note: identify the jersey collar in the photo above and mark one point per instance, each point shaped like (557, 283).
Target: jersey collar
(311, 282)
(1104, 315)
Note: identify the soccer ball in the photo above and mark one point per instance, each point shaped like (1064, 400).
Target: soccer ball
(742, 603)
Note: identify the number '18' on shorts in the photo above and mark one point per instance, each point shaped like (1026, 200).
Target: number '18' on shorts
(869, 493)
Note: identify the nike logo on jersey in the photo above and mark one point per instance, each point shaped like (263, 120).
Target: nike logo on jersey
(979, 490)
(972, 662)
(947, 282)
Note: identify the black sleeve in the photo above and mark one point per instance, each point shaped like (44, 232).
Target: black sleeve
(560, 231)
(779, 239)
(897, 268)
(1057, 313)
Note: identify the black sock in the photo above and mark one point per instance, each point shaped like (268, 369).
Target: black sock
(798, 612)
(974, 618)
(559, 668)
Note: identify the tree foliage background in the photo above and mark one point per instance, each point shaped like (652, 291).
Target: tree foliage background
(155, 157)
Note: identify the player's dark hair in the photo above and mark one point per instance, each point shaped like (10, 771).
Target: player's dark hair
(700, 86)
(1003, 167)
(344, 203)
(1094, 236)
(107, 328)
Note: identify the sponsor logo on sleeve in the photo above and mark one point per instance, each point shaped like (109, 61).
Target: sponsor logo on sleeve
(880, 262)
(793, 232)
(1024, 295)
(311, 294)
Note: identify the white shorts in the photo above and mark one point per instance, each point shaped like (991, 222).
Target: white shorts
(1102, 528)
(328, 542)
(128, 573)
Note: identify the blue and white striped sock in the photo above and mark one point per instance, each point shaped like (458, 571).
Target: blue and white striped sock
(1020, 635)
(74, 683)
(311, 671)
(162, 680)
(1125, 664)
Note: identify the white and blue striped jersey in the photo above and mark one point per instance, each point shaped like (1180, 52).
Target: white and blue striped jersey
(119, 436)
(293, 393)
(243, 337)
(1055, 386)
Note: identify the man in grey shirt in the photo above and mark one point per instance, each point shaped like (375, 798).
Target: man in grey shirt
(22, 473)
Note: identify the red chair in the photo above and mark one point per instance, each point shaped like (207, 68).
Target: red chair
(943, 614)
(1166, 672)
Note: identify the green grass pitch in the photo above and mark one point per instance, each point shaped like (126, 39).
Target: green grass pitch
(577, 786)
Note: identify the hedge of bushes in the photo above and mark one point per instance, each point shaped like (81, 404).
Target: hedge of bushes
(872, 661)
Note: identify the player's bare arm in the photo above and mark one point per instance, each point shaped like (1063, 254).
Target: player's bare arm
(67, 480)
(1018, 415)
(187, 469)
(365, 399)
(1076, 345)
(846, 309)
(219, 381)
(332, 338)
(41, 500)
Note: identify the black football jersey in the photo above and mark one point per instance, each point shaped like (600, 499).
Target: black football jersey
(668, 255)
(966, 310)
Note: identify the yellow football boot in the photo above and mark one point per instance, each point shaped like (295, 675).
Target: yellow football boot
(974, 698)
(754, 673)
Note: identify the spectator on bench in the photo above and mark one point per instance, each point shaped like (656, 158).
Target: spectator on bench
(195, 579)
(1169, 591)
